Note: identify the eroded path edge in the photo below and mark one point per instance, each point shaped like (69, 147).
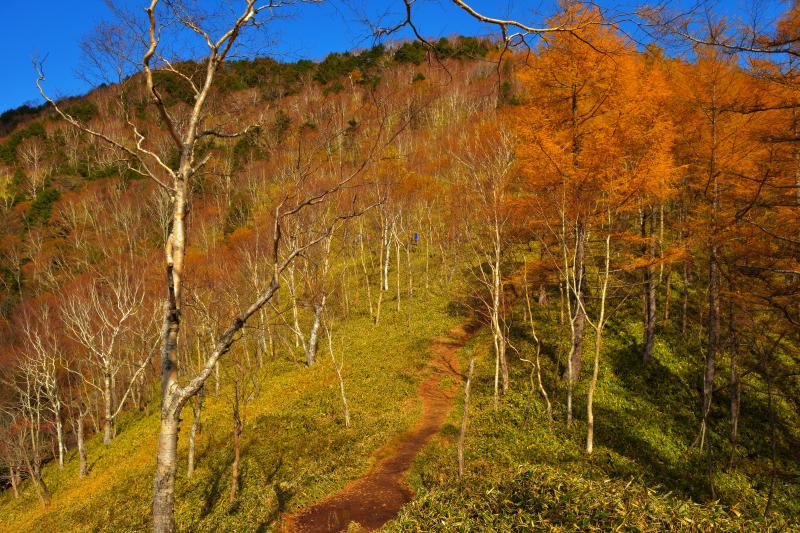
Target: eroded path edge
(375, 498)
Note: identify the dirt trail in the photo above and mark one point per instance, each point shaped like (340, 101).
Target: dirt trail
(377, 497)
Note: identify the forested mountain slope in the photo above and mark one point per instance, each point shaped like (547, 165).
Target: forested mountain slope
(617, 227)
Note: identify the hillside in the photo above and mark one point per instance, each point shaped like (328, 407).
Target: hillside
(426, 286)
(296, 448)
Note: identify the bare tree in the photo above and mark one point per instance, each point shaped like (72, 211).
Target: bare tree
(489, 181)
(513, 32)
(317, 281)
(598, 324)
(32, 152)
(100, 320)
(463, 431)
(536, 366)
(245, 388)
(338, 367)
(28, 414)
(197, 409)
(11, 442)
(41, 362)
(80, 437)
(184, 133)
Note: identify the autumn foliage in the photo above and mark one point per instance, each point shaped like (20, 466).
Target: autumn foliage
(612, 183)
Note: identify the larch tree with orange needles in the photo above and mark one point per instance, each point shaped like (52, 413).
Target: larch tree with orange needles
(569, 88)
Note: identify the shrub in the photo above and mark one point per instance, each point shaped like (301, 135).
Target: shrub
(41, 207)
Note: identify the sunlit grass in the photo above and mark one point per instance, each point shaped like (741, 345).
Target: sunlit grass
(295, 446)
(643, 475)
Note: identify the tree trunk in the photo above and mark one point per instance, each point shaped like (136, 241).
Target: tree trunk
(166, 464)
(497, 311)
(382, 280)
(313, 337)
(578, 320)
(649, 286)
(237, 446)
(463, 432)
(568, 373)
(96, 414)
(590, 394)
(537, 367)
(34, 470)
(377, 317)
(598, 340)
(428, 238)
(386, 257)
(713, 342)
(409, 271)
(338, 368)
(271, 340)
(397, 260)
(713, 285)
(580, 314)
(667, 292)
(735, 387)
(60, 441)
(136, 396)
(685, 296)
(82, 468)
(366, 271)
(197, 407)
(262, 337)
(41, 488)
(573, 371)
(345, 284)
(113, 417)
(496, 399)
(503, 363)
(548, 406)
(773, 441)
(14, 484)
(299, 339)
(107, 407)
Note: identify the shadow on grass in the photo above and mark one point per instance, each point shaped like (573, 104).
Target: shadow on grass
(212, 491)
(619, 432)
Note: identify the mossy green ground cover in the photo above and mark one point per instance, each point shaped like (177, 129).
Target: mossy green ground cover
(295, 448)
(644, 474)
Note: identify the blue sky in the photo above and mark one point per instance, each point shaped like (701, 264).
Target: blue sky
(55, 29)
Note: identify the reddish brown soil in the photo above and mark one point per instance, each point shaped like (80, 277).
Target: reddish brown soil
(376, 498)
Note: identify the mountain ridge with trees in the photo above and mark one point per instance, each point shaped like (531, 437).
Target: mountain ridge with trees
(620, 223)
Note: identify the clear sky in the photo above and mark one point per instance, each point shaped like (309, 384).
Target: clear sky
(55, 29)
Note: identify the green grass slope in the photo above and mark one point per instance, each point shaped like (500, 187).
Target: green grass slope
(644, 474)
(295, 446)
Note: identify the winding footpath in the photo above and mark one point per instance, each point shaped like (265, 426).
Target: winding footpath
(377, 497)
